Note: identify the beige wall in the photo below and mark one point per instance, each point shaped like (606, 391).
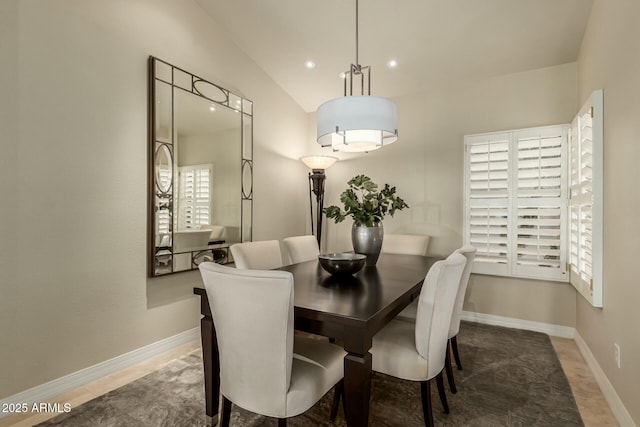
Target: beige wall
(74, 179)
(426, 165)
(610, 60)
(8, 174)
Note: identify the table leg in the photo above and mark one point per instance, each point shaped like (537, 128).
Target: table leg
(211, 369)
(357, 388)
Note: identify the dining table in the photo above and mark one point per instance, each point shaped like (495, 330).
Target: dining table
(349, 309)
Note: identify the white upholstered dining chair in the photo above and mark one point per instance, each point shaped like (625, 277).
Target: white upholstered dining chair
(417, 351)
(260, 255)
(264, 368)
(406, 244)
(409, 315)
(469, 253)
(301, 248)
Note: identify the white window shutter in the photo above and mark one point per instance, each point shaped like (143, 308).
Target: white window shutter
(194, 196)
(163, 219)
(487, 201)
(586, 187)
(540, 203)
(163, 216)
(516, 202)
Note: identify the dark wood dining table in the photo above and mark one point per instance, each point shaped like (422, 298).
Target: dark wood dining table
(350, 309)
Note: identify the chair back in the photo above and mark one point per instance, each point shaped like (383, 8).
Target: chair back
(406, 244)
(435, 307)
(253, 318)
(469, 253)
(301, 248)
(261, 255)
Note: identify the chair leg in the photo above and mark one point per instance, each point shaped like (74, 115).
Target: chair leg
(338, 391)
(454, 347)
(344, 402)
(282, 422)
(449, 370)
(425, 389)
(225, 417)
(441, 392)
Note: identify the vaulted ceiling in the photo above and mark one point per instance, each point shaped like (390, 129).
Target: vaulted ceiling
(433, 41)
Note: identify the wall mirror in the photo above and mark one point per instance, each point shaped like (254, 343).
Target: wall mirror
(200, 170)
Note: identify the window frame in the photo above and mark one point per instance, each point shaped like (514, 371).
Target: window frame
(196, 203)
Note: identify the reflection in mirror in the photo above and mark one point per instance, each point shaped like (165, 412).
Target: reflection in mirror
(164, 168)
(202, 170)
(247, 138)
(162, 128)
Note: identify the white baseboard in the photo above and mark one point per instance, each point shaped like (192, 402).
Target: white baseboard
(47, 391)
(610, 395)
(509, 322)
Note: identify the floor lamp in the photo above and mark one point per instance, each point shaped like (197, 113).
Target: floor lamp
(317, 164)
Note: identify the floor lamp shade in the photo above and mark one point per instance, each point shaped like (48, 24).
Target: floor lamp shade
(318, 162)
(357, 123)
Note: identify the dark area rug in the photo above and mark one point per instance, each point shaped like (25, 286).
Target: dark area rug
(510, 378)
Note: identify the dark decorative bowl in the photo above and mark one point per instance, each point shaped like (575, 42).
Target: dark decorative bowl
(342, 263)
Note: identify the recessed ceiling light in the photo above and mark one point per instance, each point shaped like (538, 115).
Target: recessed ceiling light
(212, 108)
(310, 64)
(392, 64)
(344, 75)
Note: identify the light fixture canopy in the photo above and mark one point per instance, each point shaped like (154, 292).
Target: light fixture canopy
(357, 123)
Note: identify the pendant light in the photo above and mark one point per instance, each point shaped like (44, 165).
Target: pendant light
(357, 123)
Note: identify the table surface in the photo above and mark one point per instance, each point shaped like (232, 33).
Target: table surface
(361, 298)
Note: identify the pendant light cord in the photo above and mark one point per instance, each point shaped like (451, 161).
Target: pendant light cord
(357, 63)
(357, 69)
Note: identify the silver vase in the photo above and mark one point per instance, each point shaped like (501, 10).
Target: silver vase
(367, 241)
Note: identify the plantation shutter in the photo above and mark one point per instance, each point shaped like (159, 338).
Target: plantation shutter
(194, 200)
(163, 216)
(488, 201)
(585, 157)
(515, 202)
(540, 203)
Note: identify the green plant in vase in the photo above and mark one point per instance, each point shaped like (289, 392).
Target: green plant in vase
(367, 206)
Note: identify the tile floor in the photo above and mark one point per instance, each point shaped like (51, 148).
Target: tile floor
(99, 387)
(593, 408)
(591, 403)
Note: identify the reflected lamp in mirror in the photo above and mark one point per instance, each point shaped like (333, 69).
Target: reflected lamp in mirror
(317, 164)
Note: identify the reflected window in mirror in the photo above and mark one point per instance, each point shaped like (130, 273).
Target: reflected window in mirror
(201, 170)
(194, 196)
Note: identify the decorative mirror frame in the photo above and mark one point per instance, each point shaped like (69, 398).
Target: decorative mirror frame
(161, 258)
